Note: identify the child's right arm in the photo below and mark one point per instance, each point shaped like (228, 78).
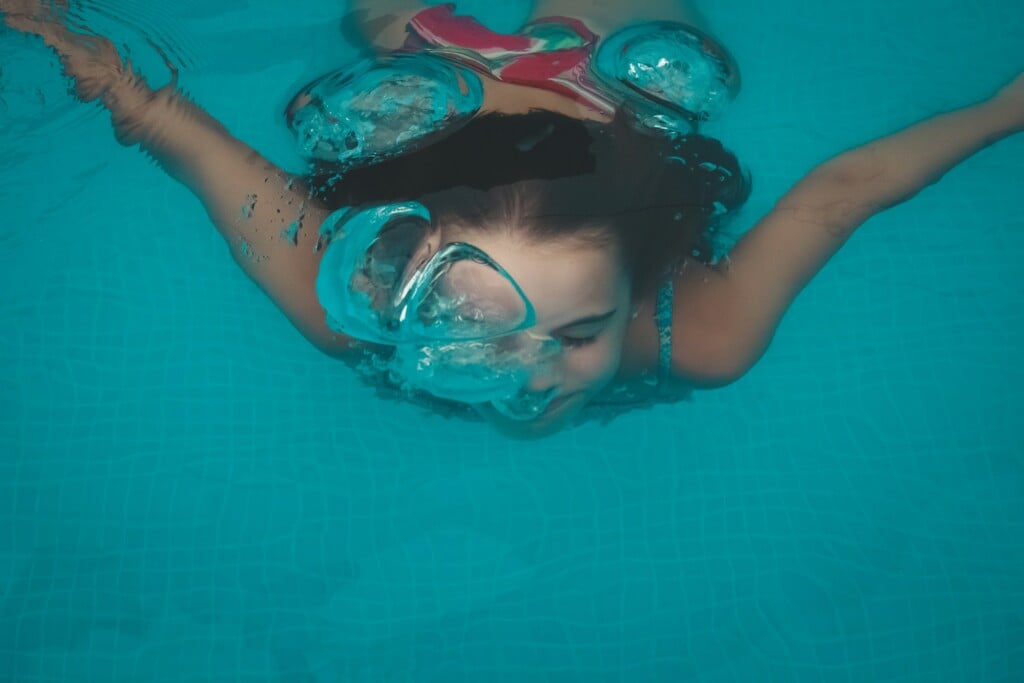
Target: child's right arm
(267, 217)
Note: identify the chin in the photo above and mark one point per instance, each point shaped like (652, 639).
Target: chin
(538, 428)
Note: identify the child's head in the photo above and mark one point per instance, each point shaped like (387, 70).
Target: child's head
(579, 284)
(656, 198)
(587, 218)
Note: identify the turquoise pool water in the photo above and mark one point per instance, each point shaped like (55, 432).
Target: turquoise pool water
(190, 492)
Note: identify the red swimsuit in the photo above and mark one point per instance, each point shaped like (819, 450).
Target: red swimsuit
(551, 53)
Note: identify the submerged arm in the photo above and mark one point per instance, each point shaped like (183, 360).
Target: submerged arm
(381, 23)
(266, 216)
(744, 301)
(606, 17)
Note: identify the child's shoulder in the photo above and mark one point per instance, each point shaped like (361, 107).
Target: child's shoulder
(683, 324)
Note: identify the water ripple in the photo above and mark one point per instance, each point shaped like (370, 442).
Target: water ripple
(157, 25)
(52, 143)
(36, 101)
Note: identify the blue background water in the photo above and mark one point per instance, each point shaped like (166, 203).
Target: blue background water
(190, 492)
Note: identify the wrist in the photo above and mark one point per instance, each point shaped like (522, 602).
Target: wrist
(1007, 112)
(127, 97)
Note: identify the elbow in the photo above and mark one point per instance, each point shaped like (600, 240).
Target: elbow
(715, 375)
(334, 345)
(718, 364)
(325, 340)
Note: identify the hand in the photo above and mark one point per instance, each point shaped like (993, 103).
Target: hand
(91, 61)
(17, 13)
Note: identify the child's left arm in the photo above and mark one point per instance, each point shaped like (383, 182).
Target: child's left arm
(744, 298)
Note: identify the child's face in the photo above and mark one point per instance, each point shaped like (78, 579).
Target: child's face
(581, 295)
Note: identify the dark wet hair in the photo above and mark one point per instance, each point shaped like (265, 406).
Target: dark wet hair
(559, 177)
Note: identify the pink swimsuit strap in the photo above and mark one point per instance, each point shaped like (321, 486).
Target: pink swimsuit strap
(550, 53)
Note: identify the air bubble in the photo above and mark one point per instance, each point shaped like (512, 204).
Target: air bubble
(249, 207)
(292, 233)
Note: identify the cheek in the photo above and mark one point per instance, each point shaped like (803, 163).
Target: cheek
(594, 362)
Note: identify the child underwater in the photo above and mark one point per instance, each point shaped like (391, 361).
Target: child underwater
(523, 223)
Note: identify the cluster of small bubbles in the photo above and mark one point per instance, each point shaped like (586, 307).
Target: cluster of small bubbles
(249, 253)
(249, 207)
(330, 228)
(292, 233)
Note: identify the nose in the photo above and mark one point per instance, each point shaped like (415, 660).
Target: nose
(545, 369)
(547, 375)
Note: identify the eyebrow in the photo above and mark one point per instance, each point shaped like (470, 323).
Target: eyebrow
(589, 320)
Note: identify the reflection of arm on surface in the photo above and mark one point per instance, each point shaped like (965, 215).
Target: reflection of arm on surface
(265, 215)
(606, 16)
(381, 23)
(729, 313)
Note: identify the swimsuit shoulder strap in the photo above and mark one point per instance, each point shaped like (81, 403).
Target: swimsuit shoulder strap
(664, 319)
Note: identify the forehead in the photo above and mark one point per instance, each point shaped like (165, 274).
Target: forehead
(564, 278)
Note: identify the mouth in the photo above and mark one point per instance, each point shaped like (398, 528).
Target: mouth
(559, 402)
(545, 424)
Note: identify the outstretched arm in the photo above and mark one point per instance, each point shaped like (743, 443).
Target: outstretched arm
(267, 217)
(744, 298)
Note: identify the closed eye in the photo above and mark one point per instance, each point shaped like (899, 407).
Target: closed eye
(594, 323)
(576, 342)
